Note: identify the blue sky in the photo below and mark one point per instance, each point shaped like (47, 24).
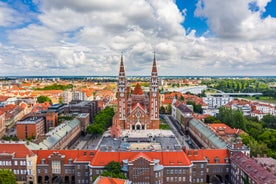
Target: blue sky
(86, 37)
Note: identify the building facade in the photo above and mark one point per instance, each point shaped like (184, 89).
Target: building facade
(136, 110)
(21, 160)
(2, 124)
(30, 127)
(79, 107)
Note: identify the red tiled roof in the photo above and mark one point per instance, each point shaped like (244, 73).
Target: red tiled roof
(253, 169)
(18, 149)
(257, 112)
(177, 158)
(138, 105)
(140, 154)
(107, 180)
(3, 98)
(138, 90)
(211, 154)
(225, 129)
(75, 155)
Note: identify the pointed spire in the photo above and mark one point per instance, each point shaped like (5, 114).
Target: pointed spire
(154, 68)
(122, 68)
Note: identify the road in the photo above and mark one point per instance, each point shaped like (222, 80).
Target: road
(179, 136)
(184, 140)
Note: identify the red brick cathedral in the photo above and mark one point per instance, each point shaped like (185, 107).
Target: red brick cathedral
(136, 110)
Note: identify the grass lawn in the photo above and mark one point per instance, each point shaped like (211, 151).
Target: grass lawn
(263, 99)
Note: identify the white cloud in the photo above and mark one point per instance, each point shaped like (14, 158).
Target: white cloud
(7, 15)
(86, 38)
(234, 19)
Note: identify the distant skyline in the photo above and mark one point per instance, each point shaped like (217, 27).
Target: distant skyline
(189, 37)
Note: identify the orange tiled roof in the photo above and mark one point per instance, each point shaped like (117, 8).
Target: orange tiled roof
(138, 90)
(75, 155)
(108, 180)
(140, 154)
(3, 98)
(18, 149)
(211, 154)
(139, 105)
(257, 112)
(166, 158)
(222, 128)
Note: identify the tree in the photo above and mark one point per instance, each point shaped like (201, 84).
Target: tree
(211, 119)
(269, 121)
(95, 129)
(169, 109)
(101, 121)
(269, 137)
(197, 107)
(113, 169)
(7, 177)
(42, 99)
(162, 110)
(238, 120)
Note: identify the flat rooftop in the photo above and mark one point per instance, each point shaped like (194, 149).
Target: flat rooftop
(146, 140)
(31, 120)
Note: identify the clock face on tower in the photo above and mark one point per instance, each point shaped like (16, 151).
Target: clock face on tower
(153, 94)
(121, 94)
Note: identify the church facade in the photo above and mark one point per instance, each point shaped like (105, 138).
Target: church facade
(137, 110)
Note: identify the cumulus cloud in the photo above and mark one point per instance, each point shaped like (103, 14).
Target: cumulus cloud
(7, 15)
(234, 19)
(86, 38)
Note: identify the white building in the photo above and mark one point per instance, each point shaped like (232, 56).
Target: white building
(216, 102)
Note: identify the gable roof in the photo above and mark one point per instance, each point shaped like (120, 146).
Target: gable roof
(138, 90)
(139, 155)
(212, 156)
(108, 180)
(166, 158)
(19, 150)
(255, 171)
(75, 155)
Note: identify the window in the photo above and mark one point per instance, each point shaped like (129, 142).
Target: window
(38, 170)
(70, 161)
(29, 172)
(15, 162)
(43, 161)
(78, 166)
(22, 162)
(45, 170)
(29, 163)
(56, 167)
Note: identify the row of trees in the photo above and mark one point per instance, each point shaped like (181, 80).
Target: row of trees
(56, 87)
(260, 137)
(240, 85)
(102, 121)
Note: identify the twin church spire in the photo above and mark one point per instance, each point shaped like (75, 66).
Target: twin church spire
(136, 110)
(122, 67)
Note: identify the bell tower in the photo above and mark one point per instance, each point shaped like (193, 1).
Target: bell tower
(122, 93)
(154, 97)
